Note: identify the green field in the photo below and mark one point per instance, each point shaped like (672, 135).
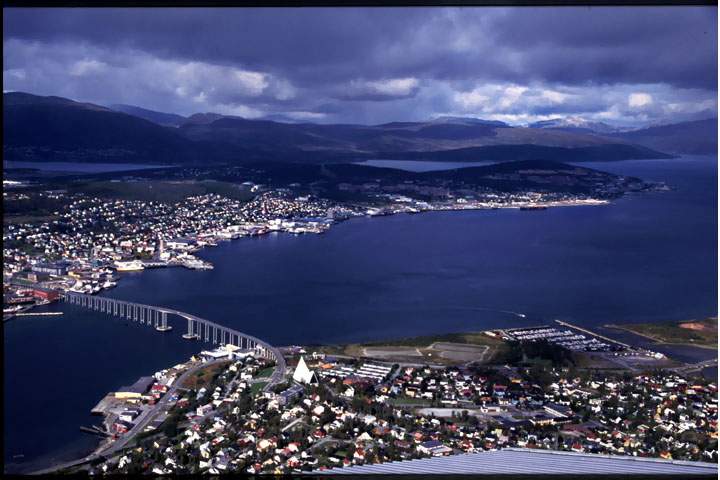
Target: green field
(203, 376)
(255, 388)
(702, 333)
(471, 338)
(423, 343)
(265, 372)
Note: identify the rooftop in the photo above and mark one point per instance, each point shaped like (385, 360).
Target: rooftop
(141, 386)
(525, 461)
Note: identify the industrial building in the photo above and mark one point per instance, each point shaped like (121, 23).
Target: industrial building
(136, 390)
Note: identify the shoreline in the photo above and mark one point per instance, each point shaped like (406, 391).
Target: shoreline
(452, 208)
(440, 208)
(655, 340)
(104, 443)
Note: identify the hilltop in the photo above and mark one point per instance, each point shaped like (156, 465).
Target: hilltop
(53, 129)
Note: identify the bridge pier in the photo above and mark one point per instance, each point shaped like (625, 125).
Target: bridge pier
(164, 327)
(189, 335)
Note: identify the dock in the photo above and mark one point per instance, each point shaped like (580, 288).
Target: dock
(584, 330)
(108, 402)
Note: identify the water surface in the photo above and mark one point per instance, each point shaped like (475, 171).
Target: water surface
(420, 165)
(75, 167)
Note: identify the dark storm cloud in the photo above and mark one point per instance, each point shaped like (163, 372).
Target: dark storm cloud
(372, 65)
(292, 41)
(638, 45)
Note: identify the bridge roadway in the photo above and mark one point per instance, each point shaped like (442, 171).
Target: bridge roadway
(197, 328)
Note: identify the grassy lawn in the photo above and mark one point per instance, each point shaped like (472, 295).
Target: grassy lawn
(255, 388)
(472, 338)
(423, 343)
(701, 332)
(265, 372)
(203, 376)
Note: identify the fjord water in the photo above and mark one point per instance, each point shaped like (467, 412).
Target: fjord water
(646, 257)
(76, 167)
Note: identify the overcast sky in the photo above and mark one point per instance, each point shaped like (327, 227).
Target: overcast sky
(360, 65)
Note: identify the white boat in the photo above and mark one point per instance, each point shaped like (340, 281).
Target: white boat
(109, 284)
(130, 266)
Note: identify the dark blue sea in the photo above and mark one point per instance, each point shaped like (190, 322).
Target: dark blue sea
(646, 257)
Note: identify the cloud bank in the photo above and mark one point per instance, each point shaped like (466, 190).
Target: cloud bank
(623, 65)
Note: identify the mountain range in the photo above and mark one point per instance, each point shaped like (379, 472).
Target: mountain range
(695, 138)
(576, 124)
(55, 128)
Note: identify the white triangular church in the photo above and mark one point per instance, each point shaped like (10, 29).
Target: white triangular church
(303, 374)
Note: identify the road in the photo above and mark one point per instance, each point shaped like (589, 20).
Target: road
(696, 366)
(278, 375)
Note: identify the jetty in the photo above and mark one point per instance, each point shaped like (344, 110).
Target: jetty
(584, 330)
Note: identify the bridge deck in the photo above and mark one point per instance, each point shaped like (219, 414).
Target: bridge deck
(198, 327)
